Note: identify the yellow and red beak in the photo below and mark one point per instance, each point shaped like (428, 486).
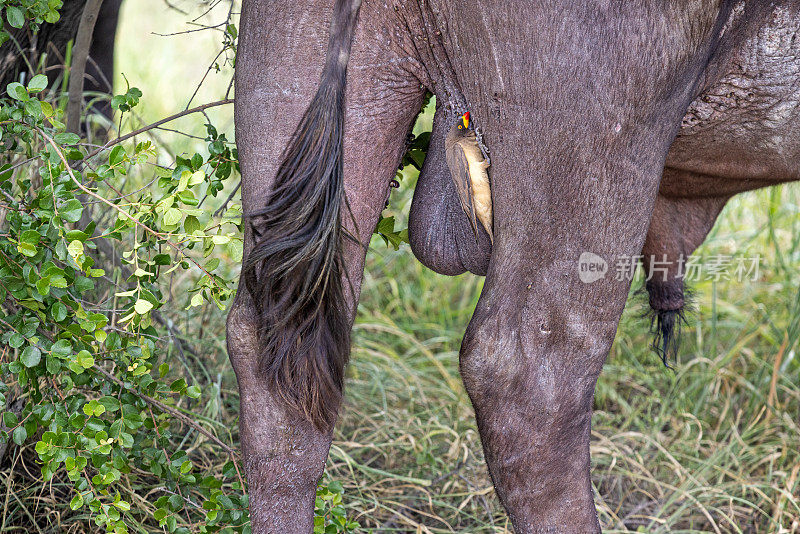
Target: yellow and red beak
(465, 119)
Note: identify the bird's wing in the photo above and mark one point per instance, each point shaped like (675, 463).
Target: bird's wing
(459, 171)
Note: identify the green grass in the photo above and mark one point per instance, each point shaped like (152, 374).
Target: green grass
(706, 448)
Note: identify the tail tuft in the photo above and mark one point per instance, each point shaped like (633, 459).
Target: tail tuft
(668, 304)
(665, 325)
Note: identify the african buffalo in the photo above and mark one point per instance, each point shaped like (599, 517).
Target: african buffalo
(614, 128)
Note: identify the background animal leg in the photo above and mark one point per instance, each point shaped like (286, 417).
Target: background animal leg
(100, 67)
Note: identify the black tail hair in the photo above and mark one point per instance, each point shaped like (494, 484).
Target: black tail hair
(666, 323)
(294, 271)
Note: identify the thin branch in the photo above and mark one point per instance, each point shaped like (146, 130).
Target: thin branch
(203, 79)
(201, 28)
(80, 53)
(176, 8)
(8, 195)
(227, 201)
(156, 124)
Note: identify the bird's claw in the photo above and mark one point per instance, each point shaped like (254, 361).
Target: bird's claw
(482, 146)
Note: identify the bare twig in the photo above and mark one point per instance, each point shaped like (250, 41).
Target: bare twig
(227, 200)
(156, 124)
(203, 79)
(80, 53)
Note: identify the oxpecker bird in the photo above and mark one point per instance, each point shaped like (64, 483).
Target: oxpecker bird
(468, 171)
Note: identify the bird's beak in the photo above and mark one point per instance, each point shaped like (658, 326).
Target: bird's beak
(465, 118)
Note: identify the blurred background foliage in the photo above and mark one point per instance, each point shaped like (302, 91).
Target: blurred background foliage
(713, 446)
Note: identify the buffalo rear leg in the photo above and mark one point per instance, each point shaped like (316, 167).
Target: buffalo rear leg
(535, 347)
(279, 61)
(573, 174)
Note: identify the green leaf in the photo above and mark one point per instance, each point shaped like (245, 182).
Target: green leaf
(53, 16)
(71, 211)
(94, 408)
(33, 108)
(77, 234)
(19, 435)
(17, 340)
(162, 259)
(30, 236)
(117, 155)
(83, 284)
(76, 502)
(143, 306)
(31, 356)
(172, 217)
(197, 178)
(184, 180)
(59, 312)
(192, 224)
(37, 83)
(10, 419)
(65, 138)
(15, 16)
(84, 359)
(43, 286)
(62, 347)
(111, 404)
(197, 300)
(59, 281)
(178, 385)
(193, 392)
(122, 505)
(17, 91)
(26, 249)
(236, 249)
(75, 248)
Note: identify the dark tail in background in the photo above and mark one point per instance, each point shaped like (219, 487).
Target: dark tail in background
(294, 272)
(669, 302)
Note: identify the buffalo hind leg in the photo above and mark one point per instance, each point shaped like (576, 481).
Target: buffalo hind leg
(530, 359)
(540, 333)
(278, 68)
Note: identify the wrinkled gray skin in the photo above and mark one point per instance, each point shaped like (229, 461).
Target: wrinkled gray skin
(598, 116)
